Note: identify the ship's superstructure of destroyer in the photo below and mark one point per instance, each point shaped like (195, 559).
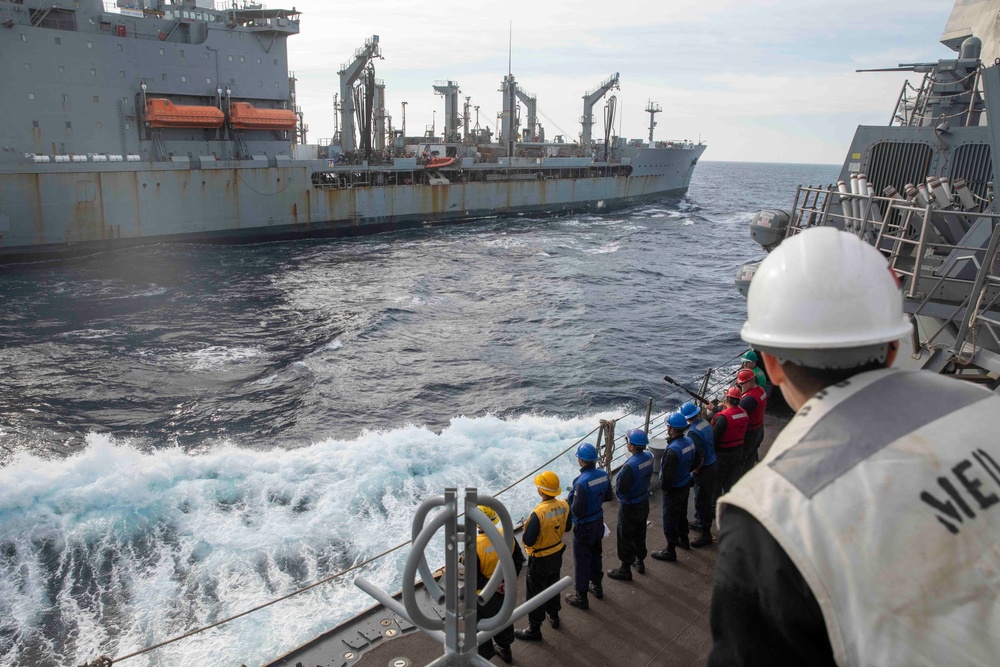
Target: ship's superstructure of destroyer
(922, 190)
(148, 120)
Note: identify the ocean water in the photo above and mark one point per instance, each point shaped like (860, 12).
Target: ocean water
(189, 431)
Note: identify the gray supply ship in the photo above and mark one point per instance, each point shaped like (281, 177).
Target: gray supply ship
(148, 121)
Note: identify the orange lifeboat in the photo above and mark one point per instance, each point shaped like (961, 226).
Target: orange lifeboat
(161, 112)
(438, 162)
(245, 116)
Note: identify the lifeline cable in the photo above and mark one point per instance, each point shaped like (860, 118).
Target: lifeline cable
(104, 661)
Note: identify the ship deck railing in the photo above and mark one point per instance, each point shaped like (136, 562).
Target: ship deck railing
(612, 454)
(339, 177)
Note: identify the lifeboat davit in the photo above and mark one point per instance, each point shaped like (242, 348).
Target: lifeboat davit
(161, 112)
(438, 162)
(245, 116)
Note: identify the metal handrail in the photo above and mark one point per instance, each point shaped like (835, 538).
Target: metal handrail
(105, 661)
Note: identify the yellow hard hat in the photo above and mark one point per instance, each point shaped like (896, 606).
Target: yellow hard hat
(490, 513)
(548, 483)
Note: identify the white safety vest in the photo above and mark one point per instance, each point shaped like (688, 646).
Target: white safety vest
(884, 490)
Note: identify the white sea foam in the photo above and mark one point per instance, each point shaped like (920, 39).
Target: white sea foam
(194, 538)
(409, 300)
(91, 334)
(605, 249)
(151, 290)
(740, 218)
(504, 242)
(214, 357)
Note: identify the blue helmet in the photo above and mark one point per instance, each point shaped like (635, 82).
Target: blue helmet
(677, 420)
(689, 410)
(637, 437)
(587, 452)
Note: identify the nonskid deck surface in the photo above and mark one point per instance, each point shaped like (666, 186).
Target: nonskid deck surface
(658, 619)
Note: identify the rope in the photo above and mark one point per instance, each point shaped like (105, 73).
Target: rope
(542, 114)
(960, 357)
(952, 81)
(288, 183)
(104, 661)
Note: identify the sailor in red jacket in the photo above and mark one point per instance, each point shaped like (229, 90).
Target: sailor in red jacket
(754, 401)
(730, 428)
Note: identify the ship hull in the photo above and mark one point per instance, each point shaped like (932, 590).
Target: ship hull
(54, 210)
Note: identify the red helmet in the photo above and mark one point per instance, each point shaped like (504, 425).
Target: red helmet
(745, 375)
(734, 392)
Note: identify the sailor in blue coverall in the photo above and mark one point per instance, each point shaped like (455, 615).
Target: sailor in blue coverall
(591, 489)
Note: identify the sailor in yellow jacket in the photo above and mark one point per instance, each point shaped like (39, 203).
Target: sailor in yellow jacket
(543, 540)
(488, 561)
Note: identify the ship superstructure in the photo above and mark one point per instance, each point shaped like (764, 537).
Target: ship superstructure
(90, 84)
(149, 120)
(922, 190)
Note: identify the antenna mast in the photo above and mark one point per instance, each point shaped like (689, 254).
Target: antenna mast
(652, 109)
(510, 45)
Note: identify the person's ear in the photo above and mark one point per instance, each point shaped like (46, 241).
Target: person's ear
(775, 373)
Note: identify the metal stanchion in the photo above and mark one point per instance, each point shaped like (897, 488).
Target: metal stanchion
(460, 597)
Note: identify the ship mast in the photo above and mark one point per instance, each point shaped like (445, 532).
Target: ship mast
(652, 109)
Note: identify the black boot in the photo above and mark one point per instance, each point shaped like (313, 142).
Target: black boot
(504, 653)
(597, 590)
(703, 540)
(533, 633)
(578, 600)
(683, 542)
(623, 573)
(669, 554)
(554, 621)
(639, 566)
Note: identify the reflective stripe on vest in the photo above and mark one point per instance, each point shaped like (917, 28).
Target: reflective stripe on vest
(596, 483)
(736, 427)
(757, 416)
(684, 449)
(641, 464)
(703, 437)
(885, 493)
(552, 515)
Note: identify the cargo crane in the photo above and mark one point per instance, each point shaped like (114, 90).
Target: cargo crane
(589, 100)
(532, 131)
(450, 91)
(350, 73)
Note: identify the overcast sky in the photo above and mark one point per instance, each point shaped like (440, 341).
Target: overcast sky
(758, 80)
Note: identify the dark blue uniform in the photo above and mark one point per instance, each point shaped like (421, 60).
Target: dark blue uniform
(675, 478)
(632, 489)
(703, 437)
(591, 489)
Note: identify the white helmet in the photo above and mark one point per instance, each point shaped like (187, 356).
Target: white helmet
(825, 299)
